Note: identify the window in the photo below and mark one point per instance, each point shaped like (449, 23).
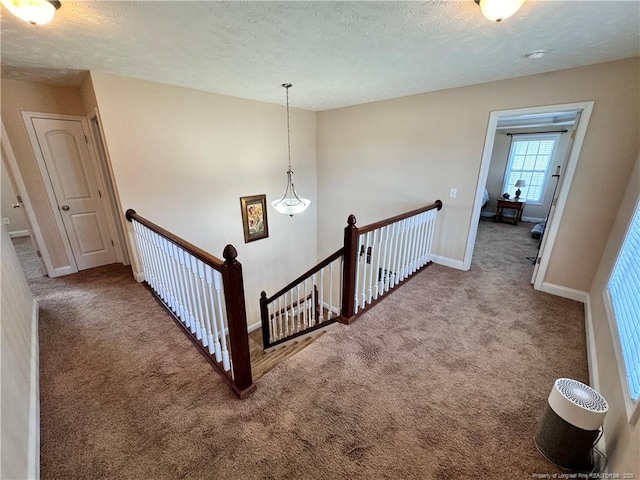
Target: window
(529, 159)
(623, 299)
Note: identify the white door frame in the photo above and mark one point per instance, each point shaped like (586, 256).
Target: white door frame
(44, 174)
(586, 109)
(107, 184)
(14, 171)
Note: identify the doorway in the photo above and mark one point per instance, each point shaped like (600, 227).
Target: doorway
(75, 189)
(582, 113)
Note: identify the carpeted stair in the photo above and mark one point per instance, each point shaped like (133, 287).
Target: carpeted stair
(265, 363)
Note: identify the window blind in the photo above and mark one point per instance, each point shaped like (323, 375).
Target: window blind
(624, 290)
(529, 160)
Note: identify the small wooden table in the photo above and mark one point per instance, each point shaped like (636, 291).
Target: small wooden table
(517, 205)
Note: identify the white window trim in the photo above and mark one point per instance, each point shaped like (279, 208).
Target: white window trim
(532, 137)
(632, 407)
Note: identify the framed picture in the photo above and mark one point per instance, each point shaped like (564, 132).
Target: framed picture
(254, 217)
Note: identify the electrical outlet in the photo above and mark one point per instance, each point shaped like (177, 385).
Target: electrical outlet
(6, 221)
(453, 192)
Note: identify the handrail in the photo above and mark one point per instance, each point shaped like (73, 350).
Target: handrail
(307, 274)
(191, 284)
(197, 252)
(408, 235)
(388, 221)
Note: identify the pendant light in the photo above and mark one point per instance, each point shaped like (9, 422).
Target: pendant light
(498, 10)
(290, 203)
(36, 12)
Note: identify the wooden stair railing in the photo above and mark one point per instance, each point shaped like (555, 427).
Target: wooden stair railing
(382, 255)
(204, 295)
(375, 259)
(308, 303)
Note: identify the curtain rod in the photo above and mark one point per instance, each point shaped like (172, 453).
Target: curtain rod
(537, 133)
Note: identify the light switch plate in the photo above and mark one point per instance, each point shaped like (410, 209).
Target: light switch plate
(6, 221)
(453, 192)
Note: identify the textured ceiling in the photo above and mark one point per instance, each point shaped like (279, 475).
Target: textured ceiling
(335, 53)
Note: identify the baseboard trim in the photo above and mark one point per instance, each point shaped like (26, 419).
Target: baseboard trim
(19, 233)
(565, 292)
(532, 219)
(524, 219)
(253, 327)
(61, 271)
(448, 262)
(592, 360)
(33, 453)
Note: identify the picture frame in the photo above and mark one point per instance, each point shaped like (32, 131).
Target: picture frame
(254, 217)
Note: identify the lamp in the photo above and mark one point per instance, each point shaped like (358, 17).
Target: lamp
(498, 10)
(36, 12)
(290, 203)
(520, 184)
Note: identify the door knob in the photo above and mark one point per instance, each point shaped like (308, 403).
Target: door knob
(65, 207)
(15, 205)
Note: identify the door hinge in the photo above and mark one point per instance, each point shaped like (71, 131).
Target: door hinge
(19, 198)
(38, 253)
(538, 260)
(100, 193)
(555, 202)
(113, 244)
(86, 139)
(573, 135)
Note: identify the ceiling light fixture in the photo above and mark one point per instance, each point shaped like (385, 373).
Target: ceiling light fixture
(498, 10)
(291, 203)
(36, 12)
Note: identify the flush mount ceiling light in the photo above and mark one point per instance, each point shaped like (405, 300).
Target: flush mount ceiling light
(291, 203)
(36, 12)
(498, 10)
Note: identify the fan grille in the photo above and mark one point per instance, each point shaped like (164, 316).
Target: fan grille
(582, 395)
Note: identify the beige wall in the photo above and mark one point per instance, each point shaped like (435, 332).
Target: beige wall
(382, 158)
(8, 198)
(18, 96)
(18, 360)
(622, 438)
(183, 158)
(498, 167)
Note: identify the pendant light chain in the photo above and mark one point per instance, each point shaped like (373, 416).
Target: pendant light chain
(287, 86)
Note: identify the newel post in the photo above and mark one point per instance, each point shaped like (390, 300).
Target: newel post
(237, 320)
(349, 273)
(264, 316)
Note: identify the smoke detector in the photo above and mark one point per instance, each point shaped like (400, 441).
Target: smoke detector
(536, 54)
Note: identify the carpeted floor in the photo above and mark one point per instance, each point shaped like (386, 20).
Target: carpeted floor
(445, 379)
(26, 251)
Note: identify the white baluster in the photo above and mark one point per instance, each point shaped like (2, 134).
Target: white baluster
(316, 299)
(305, 319)
(330, 309)
(214, 334)
(383, 273)
(374, 238)
(280, 313)
(287, 330)
(358, 261)
(206, 319)
(190, 319)
(432, 223)
(217, 280)
(322, 319)
(195, 325)
(379, 253)
(412, 255)
(396, 255)
(423, 239)
(298, 309)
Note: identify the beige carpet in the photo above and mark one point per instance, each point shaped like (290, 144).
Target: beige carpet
(445, 379)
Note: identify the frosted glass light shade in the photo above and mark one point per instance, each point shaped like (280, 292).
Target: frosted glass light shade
(37, 12)
(498, 10)
(291, 203)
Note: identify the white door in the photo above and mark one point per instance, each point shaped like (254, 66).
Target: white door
(63, 144)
